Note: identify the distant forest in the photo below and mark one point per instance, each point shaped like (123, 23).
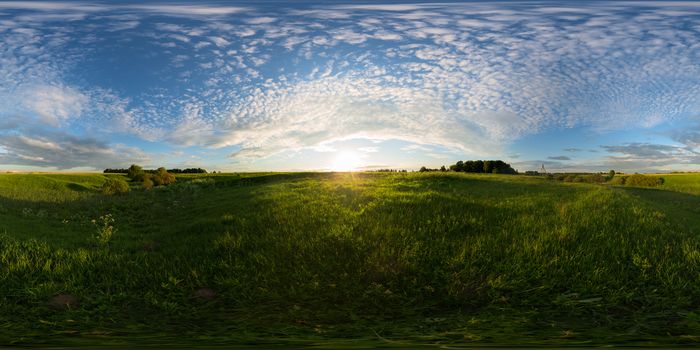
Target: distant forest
(172, 171)
(477, 166)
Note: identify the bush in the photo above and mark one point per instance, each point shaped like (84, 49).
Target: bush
(597, 178)
(115, 186)
(147, 182)
(163, 177)
(640, 180)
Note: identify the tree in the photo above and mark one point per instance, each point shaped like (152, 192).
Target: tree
(488, 166)
(443, 169)
(611, 175)
(483, 166)
(134, 171)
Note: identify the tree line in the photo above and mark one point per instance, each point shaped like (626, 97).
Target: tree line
(477, 166)
(172, 171)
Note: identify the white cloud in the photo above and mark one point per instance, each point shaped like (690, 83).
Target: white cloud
(260, 20)
(415, 147)
(219, 41)
(54, 104)
(188, 10)
(123, 25)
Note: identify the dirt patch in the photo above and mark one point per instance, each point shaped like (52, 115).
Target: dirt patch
(205, 294)
(64, 301)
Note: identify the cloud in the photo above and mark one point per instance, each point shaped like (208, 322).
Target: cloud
(123, 25)
(260, 20)
(382, 7)
(559, 158)
(639, 155)
(219, 41)
(309, 113)
(415, 147)
(471, 77)
(188, 10)
(689, 137)
(54, 104)
(368, 149)
(63, 151)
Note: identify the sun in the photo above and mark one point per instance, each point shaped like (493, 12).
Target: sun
(346, 161)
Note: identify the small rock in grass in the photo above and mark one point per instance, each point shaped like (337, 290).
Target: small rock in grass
(62, 301)
(206, 294)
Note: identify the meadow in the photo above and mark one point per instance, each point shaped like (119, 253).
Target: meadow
(341, 259)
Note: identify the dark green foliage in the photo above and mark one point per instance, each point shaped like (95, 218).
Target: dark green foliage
(639, 180)
(134, 171)
(587, 178)
(141, 177)
(483, 166)
(115, 186)
(188, 171)
(116, 171)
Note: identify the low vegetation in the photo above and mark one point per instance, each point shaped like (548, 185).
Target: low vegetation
(150, 179)
(441, 258)
(115, 186)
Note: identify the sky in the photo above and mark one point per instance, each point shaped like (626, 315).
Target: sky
(340, 85)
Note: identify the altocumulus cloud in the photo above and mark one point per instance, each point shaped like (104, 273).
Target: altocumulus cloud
(263, 80)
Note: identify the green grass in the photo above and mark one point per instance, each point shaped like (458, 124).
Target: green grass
(687, 183)
(389, 259)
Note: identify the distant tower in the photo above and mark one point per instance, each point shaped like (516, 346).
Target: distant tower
(543, 170)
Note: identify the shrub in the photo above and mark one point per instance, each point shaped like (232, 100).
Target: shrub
(163, 177)
(115, 186)
(596, 178)
(147, 182)
(640, 180)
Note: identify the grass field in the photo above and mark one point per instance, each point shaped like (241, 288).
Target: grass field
(383, 258)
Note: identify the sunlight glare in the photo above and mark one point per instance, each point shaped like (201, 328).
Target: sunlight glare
(346, 161)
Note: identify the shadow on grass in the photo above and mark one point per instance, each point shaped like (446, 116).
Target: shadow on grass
(681, 207)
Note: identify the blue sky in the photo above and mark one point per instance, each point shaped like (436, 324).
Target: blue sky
(248, 86)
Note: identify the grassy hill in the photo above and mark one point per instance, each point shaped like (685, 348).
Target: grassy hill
(387, 258)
